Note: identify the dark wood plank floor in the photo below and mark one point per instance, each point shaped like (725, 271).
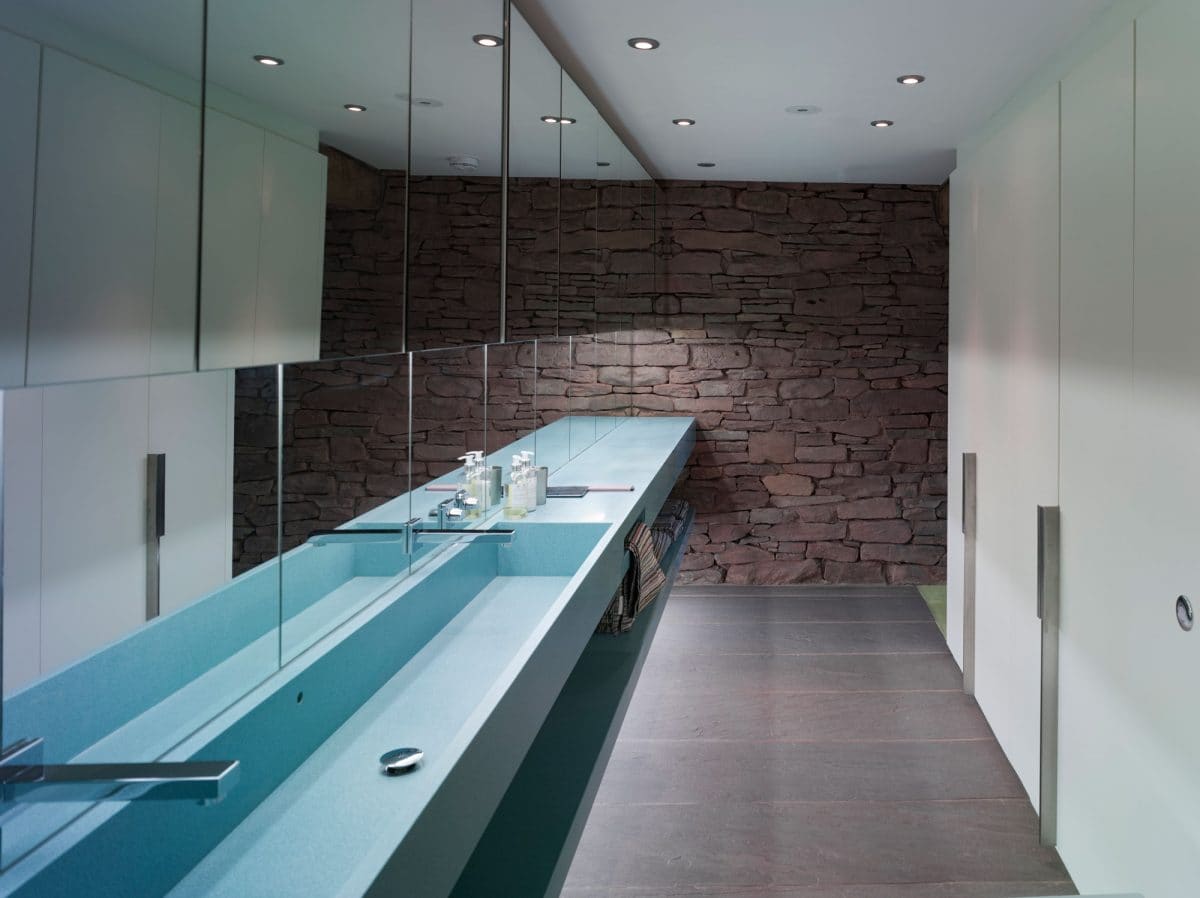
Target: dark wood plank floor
(808, 743)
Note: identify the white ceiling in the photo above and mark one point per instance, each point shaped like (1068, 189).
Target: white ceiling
(736, 66)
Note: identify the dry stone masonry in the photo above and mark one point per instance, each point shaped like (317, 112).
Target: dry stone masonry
(804, 326)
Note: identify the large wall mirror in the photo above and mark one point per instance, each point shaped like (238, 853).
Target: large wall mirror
(306, 150)
(455, 188)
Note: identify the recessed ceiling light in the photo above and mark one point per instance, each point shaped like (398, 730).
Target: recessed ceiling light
(488, 40)
(355, 107)
(550, 119)
(643, 43)
(882, 123)
(707, 164)
(427, 102)
(911, 80)
(684, 122)
(603, 164)
(566, 121)
(806, 109)
(268, 60)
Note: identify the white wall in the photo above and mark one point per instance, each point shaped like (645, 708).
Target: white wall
(74, 468)
(1074, 322)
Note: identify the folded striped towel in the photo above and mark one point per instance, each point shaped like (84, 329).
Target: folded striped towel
(641, 585)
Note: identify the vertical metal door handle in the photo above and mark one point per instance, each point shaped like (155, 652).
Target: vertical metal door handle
(156, 527)
(1048, 604)
(970, 512)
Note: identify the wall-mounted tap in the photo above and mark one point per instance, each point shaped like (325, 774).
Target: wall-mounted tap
(24, 778)
(454, 509)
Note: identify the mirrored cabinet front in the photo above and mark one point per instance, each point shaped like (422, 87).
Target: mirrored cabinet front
(270, 303)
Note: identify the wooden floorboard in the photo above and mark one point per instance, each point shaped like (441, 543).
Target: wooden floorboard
(809, 742)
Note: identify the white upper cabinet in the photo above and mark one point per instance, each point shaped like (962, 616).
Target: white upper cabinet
(113, 286)
(18, 144)
(233, 178)
(287, 320)
(264, 232)
(92, 292)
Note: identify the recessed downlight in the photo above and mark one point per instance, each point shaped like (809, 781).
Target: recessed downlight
(706, 164)
(806, 109)
(354, 107)
(643, 43)
(683, 122)
(603, 164)
(911, 80)
(550, 119)
(882, 123)
(268, 60)
(427, 102)
(488, 40)
(566, 120)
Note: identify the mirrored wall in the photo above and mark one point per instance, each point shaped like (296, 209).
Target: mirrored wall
(263, 280)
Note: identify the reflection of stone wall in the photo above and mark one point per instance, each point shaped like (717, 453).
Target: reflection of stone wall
(454, 274)
(255, 462)
(805, 327)
(362, 305)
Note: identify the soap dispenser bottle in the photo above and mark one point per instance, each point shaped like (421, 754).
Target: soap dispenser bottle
(529, 483)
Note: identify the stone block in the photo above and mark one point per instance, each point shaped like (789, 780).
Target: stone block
(774, 573)
(806, 388)
(853, 572)
(909, 451)
(772, 447)
(876, 508)
(923, 555)
(789, 485)
(881, 531)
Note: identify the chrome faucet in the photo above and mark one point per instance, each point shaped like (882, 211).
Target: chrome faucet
(24, 778)
(454, 509)
(412, 534)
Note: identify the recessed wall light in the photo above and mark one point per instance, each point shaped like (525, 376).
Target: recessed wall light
(488, 40)
(643, 43)
(268, 60)
(550, 119)
(355, 107)
(911, 80)
(882, 123)
(707, 164)
(684, 122)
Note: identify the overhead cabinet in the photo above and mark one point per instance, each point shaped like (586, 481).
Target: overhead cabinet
(113, 285)
(263, 255)
(18, 145)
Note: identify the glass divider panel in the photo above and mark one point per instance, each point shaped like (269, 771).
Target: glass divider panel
(345, 503)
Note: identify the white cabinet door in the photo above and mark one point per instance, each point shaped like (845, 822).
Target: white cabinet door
(1015, 399)
(94, 235)
(173, 328)
(1096, 364)
(232, 221)
(191, 421)
(18, 144)
(287, 320)
(93, 559)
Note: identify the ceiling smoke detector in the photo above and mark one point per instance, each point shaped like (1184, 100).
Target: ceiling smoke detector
(463, 163)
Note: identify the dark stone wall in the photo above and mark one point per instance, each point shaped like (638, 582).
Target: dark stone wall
(805, 327)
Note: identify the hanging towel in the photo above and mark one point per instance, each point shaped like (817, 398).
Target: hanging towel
(668, 525)
(641, 585)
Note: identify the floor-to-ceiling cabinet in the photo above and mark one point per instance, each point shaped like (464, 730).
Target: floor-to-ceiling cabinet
(1123, 380)
(1004, 404)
